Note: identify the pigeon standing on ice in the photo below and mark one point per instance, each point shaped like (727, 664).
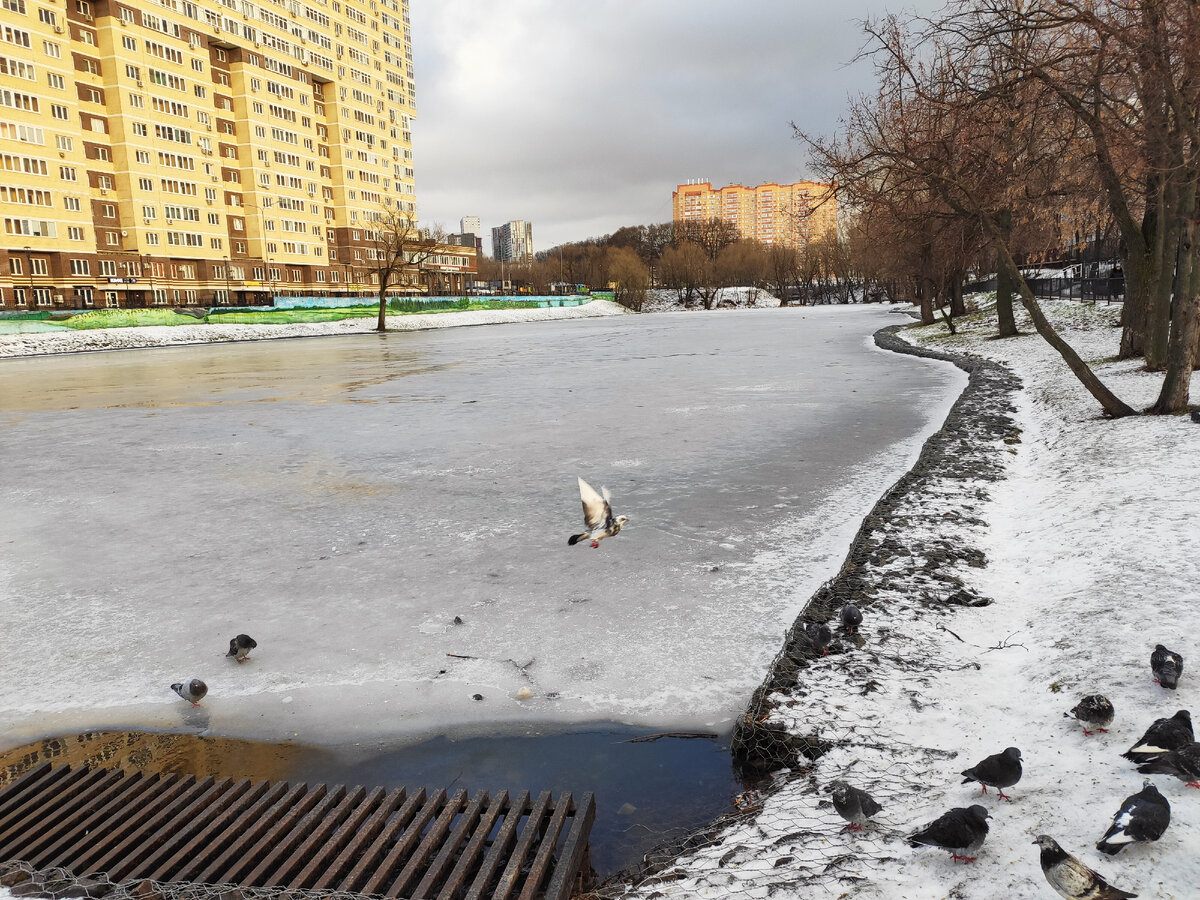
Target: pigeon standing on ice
(961, 829)
(851, 618)
(193, 692)
(597, 516)
(853, 805)
(1000, 770)
(1183, 763)
(818, 636)
(1143, 816)
(1095, 710)
(1071, 878)
(1162, 737)
(1167, 666)
(241, 646)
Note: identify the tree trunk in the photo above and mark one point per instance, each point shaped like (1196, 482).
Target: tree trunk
(957, 306)
(1112, 405)
(1185, 321)
(381, 324)
(1005, 286)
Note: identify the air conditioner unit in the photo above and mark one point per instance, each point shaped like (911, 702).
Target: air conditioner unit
(141, 84)
(208, 128)
(104, 192)
(58, 29)
(146, 221)
(58, 298)
(87, 17)
(124, 234)
(170, 221)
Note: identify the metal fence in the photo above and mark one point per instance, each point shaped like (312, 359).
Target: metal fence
(1106, 289)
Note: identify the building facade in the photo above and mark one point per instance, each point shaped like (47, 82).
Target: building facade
(198, 152)
(469, 225)
(513, 241)
(789, 215)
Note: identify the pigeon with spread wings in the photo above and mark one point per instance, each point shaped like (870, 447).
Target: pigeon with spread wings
(597, 516)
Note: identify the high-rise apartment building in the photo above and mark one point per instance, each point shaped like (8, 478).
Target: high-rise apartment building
(513, 241)
(198, 151)
(788, 215)
(469, 225)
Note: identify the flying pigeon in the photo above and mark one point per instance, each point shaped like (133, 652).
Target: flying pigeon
(1183, 763)
(1000, 770)
(853, 805)
(818, 636)
(1071, 878)
(1094, 709)
(1162, 737)
(193, 692)
(851, 618)
(597, 516)
(241, 646)
(1167, 666)
(1143, 816)
(962, 828)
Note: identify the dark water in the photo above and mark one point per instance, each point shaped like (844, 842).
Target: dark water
(647, 792)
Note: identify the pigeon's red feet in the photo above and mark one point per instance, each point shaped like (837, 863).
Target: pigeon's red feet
(595, 545)
(1088, 733)
(1102, 730)
(957, 858)
(242, 659)
(983, 788)
(196, 704)
(853, 827)
(1004, 796)
(1195, 784)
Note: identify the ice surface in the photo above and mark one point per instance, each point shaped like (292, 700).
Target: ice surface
(343, 500)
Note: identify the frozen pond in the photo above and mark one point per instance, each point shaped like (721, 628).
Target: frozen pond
(343, 499)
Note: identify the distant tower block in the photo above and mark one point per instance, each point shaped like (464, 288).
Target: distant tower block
(513, 241)
(789, 215)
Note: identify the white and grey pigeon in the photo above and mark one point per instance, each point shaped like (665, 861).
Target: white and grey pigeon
(1163, 736)
(1095, 710)
(597, 516)
(1183, 763)
(1143, 816)
(961, 831)
(1167, 666)
(241, 646)
(1071, 878)
(193, 692)
(853, 805)
(1000, 770)
(818, 636)
(851, 618)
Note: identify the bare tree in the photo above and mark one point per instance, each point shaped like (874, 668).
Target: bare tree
(629, 276)
(399, 250)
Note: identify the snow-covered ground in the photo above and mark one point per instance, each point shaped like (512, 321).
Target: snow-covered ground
(1090, 556)
(162, 336)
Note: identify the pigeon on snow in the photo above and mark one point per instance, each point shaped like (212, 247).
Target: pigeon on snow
(1095, 710)
(851, 618)
(1167, 666)
(961, 829)
(597, 516)
(1071, 878)
(1000, 770)
(193, 692)
(818, 636)
(1143, 816)
(1183, 763)
(1162, 737)
(853, 805)
(241, 646)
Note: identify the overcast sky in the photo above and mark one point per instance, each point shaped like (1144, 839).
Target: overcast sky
(581, 117)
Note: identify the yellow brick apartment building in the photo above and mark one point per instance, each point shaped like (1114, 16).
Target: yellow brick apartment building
(199, 152)
(788, 215)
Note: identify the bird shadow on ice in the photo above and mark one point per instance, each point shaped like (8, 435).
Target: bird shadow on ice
(195, 718)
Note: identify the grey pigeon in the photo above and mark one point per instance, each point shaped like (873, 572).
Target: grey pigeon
(1071, 878)
(851, 618)
(1183, 763)
(1000, 770)
(1143, 816)
(1167, 666)
(818, 636)
(193, 692)
(853, 805)
(961, 829)
(241, 646)
(1162, 737)
(597, 516)
(1095, 710)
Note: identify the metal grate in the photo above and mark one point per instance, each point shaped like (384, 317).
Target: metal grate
(180, 828)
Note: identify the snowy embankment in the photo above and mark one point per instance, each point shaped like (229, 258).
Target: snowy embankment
(1036, 554)
(163, 336)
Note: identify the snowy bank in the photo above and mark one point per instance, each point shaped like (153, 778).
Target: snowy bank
(1035, 554)
(162, 336)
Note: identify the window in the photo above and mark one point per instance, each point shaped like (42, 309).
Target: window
(47, 17)
(112, 238)
(74, 232)
(71, 203)
(41, 296)
(137, 101)
(60, 112)
(80, 267)
(56, 81)
(145, 184)
(216, 243)
(108, 267)
(139, 128)
(91, 95)
(52, 49)
(84, 295)
(152, 238)
(102, 153)
(67, 173)
(17, 6)
(129, 44)
(64, 142)
(143, 156)
(108, 210)
(38, 266)
(104, 182)
(89, 65)
(87, 37)
(149, 212)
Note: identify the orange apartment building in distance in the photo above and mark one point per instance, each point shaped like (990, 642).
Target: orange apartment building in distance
(788, 215)
(202, 152)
